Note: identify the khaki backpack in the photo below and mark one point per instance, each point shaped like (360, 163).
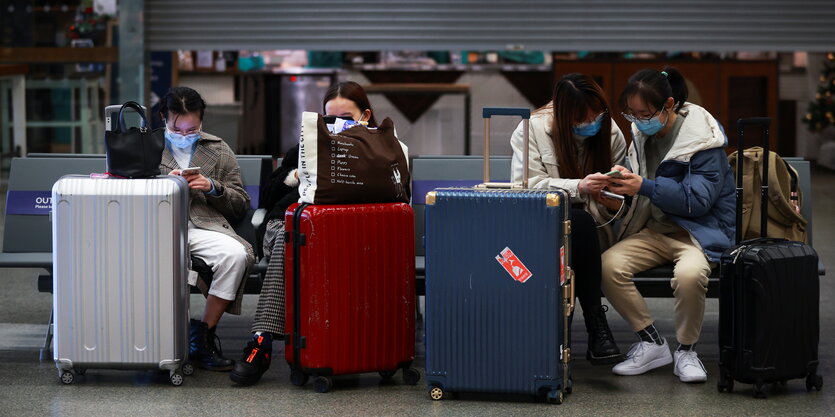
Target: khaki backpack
(784, 198)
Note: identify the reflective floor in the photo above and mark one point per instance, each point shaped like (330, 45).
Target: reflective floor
(30, 387)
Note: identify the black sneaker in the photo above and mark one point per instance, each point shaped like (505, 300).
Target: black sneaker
(255, 360)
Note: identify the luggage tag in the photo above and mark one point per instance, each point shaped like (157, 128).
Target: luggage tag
(562, 265)
(513, 265)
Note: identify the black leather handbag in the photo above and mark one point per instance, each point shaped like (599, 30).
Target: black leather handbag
(134, 152)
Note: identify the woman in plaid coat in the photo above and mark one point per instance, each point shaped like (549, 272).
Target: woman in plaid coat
(217, 198)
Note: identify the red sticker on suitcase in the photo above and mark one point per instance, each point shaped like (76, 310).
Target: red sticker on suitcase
(511, 263)
(562, 265)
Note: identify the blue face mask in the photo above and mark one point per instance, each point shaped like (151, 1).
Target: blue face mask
(589, 129)
(181, 141)
(651, 126)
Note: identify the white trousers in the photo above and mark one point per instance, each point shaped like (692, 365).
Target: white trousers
(225, 255)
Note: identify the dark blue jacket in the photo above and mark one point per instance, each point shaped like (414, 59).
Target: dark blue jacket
(693, 186)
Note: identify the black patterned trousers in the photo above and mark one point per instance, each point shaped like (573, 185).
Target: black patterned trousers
(269, 315)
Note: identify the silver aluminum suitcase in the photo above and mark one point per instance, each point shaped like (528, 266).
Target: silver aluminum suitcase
(120, 258)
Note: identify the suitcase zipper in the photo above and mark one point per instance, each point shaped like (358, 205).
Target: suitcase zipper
(737, 252)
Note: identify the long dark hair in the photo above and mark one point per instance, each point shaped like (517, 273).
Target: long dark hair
(654, 87)
(351, 91)
(180, 101)
(574, 95)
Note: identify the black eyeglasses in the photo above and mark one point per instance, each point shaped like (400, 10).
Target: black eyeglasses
(635, 119)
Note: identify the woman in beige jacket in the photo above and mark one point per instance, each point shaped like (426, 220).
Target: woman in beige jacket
(572, 140)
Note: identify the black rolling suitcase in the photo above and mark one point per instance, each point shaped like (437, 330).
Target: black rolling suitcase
(768, 303)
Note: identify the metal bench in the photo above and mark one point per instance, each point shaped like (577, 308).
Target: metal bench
(27, 235)
(464, 171)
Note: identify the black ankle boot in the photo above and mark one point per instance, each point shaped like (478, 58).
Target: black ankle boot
(255, 361)
(602, 347)
(204, 350)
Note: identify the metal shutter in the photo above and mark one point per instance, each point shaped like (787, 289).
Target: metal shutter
(593, 25)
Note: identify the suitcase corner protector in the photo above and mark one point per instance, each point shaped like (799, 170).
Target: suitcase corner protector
(430, 198)
(552, 200)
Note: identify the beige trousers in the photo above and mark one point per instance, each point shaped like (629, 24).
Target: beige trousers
(647, 249)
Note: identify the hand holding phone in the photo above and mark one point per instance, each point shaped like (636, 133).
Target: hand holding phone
(614, 174)
(190, 171)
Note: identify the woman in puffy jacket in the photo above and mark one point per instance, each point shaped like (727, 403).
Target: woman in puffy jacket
(682, 212)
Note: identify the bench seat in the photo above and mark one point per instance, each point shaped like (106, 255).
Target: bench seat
(26, 260)
(463, 171)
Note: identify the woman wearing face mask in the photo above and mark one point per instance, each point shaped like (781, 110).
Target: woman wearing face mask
(573, 140)
(217, 198)
(345, 99)
(682, 212)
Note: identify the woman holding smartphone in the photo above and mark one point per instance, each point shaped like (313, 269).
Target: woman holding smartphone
(217, 198)
(682, 212)
(573, 140)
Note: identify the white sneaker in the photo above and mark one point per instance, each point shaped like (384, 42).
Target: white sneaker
(688, 367)
(644, 356)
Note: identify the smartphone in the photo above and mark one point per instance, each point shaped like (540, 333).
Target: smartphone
(190, 171)
(614, 174)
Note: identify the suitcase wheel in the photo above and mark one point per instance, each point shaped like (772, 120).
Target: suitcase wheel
(436, 393)
(66, 377)
(176, 378)
(411, 376)
(188, 369)
(298, 378)
(554, 397)
(322, 384)
(387, 375)
(815, 381)
(725, 383)
(759, 389)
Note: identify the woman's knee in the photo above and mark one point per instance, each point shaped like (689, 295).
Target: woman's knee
(235, 255)
(690, 280)
(612, 268)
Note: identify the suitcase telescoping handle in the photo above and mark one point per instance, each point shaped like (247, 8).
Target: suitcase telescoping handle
(765, 124)
(489, 112)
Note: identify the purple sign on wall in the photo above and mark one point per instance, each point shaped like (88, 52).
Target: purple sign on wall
(29, 202)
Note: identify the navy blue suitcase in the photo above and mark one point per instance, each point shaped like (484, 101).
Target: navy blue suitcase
(498, 288)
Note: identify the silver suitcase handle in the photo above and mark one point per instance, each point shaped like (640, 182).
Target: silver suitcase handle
(489, 112)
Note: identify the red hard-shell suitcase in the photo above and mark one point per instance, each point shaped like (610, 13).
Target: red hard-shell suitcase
(350, 279)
